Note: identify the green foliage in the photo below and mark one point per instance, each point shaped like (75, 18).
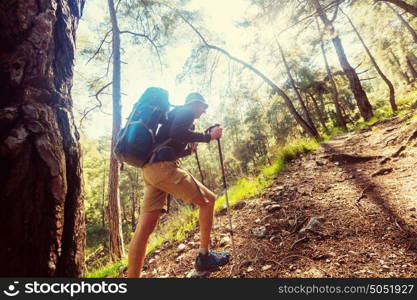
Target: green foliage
(97, 236)
(244, 188)
(112, 269)
(95, 157)
(408, 101)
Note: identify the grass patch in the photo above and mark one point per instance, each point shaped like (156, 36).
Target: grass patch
(111, 269)
(250, 187)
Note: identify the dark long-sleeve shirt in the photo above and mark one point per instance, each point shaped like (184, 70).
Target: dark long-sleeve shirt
(180, 128)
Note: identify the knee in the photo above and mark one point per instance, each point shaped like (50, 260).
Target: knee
(212, 199)
(205, 202)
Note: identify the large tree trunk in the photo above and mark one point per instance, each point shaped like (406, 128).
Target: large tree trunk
(335, 97)
(377, 68)
(362, 101)
(402, 4)
(294, 86)
(42, 213)
(404, 22)
(115, 226)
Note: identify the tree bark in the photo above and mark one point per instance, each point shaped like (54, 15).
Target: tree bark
(402, 4)
(362, 101)
(377, 68)
(404, 22)
(335, 97)
(294, 86)
(103, 200)
(43, 226)
(116, 246)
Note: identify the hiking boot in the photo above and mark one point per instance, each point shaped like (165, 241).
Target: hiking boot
(211, 261)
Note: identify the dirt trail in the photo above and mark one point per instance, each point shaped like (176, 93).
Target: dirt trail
(359, 193)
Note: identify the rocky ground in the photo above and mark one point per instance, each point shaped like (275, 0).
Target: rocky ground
(345, 210)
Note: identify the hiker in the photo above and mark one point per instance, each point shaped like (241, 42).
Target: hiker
(163, 176)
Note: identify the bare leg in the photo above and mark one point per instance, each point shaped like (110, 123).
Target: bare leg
(137, 248)
(205, 216)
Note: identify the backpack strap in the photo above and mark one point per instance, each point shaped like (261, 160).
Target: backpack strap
(157, 148)
(144, 125)
(140, 121)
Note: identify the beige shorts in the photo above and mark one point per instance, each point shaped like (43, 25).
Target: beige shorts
(164, 178)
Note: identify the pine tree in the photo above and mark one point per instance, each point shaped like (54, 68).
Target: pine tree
(43, 226)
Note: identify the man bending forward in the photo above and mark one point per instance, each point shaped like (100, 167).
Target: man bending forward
(162, 176)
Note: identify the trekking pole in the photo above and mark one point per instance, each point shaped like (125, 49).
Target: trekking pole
(199, 167)
(226, 196)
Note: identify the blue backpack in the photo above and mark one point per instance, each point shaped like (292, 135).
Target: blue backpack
(135, 142)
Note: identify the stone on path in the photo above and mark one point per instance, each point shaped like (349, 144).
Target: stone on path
(259, 232)
(312, 224)
(266, 267)
(181, 247)
(198, 274)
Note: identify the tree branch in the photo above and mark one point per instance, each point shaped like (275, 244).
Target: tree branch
(101, 45)
(117, 5)
(109, 62)
(276, 90)
(304, 28)
(335, 13)
(367, 78)
(148, 39)
(108, 65)
(329, 6)
(358, 65)
(404, 5)
(99, 105)
(367, 70)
